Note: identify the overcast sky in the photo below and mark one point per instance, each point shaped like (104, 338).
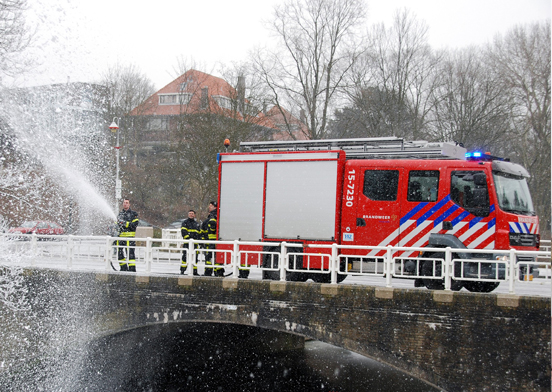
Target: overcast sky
(78, 39)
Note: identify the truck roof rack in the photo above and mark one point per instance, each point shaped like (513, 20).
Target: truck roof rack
(366, 148)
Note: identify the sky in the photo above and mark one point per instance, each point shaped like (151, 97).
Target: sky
(77, 40)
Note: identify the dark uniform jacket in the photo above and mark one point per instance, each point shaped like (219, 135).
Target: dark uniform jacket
(190, 229)
(209, 227)
(127, 222)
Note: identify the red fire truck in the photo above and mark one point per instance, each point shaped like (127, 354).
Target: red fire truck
(375, 192)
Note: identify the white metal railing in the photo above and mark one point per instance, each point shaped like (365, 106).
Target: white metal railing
(545, 245)
(170, 234)
(445, 265)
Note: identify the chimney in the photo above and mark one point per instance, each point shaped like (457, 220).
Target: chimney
(205, 97)
(241, 93)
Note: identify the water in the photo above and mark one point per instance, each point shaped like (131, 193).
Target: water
(223, 357)
(65, 133)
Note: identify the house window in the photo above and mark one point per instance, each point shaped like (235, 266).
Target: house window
(223, 102)
(157, 124)
(175, 99)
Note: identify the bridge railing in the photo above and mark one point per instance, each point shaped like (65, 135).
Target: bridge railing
(330, 265)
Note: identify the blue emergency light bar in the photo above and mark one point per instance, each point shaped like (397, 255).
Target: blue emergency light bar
(480, 156)
(474, 155)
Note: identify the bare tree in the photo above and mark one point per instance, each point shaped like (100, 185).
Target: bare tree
(521, 60)
(15, 36)
(127, 87)
(318, 45)
(390, 86)
(470, 106)
(393, 81)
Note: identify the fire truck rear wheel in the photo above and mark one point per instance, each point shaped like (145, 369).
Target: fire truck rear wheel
(327, 278)
(290, 276)
(271, 275)
(481, 287)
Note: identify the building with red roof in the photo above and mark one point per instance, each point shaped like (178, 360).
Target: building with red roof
(196, 92)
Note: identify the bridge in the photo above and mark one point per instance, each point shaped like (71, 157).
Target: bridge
(455, 341)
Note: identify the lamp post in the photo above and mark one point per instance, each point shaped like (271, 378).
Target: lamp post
(115, 128)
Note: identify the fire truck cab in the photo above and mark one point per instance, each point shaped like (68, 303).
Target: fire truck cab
(376, 192)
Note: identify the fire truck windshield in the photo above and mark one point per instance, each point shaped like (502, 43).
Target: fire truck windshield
(513, 194)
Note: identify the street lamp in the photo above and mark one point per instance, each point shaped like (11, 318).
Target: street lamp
(115, 128)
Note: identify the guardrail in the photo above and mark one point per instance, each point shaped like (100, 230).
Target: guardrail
(545, 245)
(445, 266)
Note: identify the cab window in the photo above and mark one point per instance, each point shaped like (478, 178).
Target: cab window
(423, 185)
(381, 185)
(468, 189)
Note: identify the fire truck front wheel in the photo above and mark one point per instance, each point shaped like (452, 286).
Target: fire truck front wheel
(481, 287)
(427, 270)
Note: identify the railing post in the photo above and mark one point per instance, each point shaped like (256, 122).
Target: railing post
(283, 260)
(447, 267)
(149, 254)
(334, 264)
(70, 251)
(190, 258)
(389, 266)
(163, 236)
(512, 269)
(107, 252)
(33, 249)
(235, 259)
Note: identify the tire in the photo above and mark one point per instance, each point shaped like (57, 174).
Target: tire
(342, 267)
(271, 275)
(438, 284)
(321, 278)
(427, 270)
(297, 276)
(481, 287)
(290, 276)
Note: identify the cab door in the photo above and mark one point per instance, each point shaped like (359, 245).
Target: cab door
(378, 207)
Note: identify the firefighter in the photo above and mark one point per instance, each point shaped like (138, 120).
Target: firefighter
(127, 221)
(209, 232)
(190, 230)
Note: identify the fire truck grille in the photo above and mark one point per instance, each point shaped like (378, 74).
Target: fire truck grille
(523, 239)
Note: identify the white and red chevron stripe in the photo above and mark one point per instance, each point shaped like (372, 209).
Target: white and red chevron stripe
(425, 219)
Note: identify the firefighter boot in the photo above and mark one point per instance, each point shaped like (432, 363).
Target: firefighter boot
(182, 270)
(219, 272)
(124, 267)
(132, 268)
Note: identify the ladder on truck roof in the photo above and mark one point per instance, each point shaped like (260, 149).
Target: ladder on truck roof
(366, 148)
